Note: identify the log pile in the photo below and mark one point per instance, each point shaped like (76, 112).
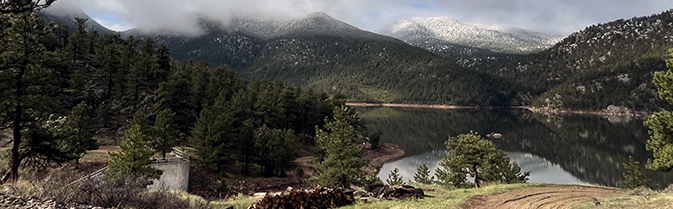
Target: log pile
(316, 198)
(396, 193)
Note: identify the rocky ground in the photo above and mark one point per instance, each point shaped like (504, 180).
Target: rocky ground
(16, 202)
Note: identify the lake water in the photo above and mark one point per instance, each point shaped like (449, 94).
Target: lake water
(554, 148)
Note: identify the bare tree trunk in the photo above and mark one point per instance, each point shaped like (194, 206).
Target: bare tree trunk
(476, 176)
(16, 126)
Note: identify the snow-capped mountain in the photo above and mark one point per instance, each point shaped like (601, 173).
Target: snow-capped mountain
(429, 32)
(65, 12)
(318, 23)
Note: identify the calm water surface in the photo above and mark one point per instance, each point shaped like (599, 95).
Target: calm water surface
(554, 148)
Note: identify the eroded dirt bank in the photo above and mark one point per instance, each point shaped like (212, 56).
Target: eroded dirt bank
(541, 197)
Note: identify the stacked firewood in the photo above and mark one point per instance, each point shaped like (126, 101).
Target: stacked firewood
(317, 198)
(396, 193)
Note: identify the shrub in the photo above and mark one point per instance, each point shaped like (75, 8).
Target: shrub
(394, 178)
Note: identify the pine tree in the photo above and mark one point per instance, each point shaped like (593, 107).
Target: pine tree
(140, 119)
(278, 148)
(471, 154)
(341, 165)
(165, 132)
(422, 175)
(133, 161)
(174, 95)
(661, 123)
(240, 106)
(375, 138)
(77, 43)
(128, 59)
(147, 67)
(634, 178)
(213, 138)
(21, 6)
(25, 84)
(110, 58)
(77, 132)
(394, 178)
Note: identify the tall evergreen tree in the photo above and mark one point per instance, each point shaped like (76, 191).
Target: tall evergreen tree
(131, 73)
(175, 95)
(241, 108)
(147, 66)
(165, 132)
(341, 165)
(109, 56)
(277, 150)
(25, 84)
(213, 138)
(661, 123)
(77, 132)
(133, 161)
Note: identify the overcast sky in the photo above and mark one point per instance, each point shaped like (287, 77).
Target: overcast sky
(553, 16)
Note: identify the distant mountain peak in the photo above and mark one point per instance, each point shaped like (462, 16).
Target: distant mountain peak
(451, 31)
(64, 11)
(319, 15)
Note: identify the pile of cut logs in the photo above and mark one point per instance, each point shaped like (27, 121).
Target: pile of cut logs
(395, 193)
(316, 198)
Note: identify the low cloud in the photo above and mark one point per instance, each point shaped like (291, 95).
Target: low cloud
(561, 17)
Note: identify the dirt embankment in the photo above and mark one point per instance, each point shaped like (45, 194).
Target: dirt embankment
(375, 158)
(532, 109)
(586, 112)
(541, 197)
(355, 104)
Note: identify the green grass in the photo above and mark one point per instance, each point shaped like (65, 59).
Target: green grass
(241, 203)
(379, 112)
(637, 198)
(381, 95)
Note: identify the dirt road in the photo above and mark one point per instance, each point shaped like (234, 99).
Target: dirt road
(541, 197)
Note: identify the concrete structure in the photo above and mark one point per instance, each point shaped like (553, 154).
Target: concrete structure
(175, 174)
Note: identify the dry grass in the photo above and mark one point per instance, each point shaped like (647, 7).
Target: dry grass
(441, 198)
(130, 193)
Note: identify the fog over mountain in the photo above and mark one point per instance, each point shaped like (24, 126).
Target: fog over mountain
(560, 17)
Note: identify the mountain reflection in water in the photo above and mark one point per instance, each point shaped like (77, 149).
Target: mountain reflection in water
(555, 148)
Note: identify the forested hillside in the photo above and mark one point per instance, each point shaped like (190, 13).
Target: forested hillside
(108, 79)
(602, 65)
(328, 55)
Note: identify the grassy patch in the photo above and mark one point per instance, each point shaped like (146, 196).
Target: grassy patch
(636, 198)
(381, 95)
(379, 112)
(241, 203)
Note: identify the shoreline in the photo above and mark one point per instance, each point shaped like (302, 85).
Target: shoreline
(376, 158)
(532, 109)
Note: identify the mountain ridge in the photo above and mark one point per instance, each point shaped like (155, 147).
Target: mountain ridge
(416, 30)
(605, 64)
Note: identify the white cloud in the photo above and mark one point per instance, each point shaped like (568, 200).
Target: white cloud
(545, 15)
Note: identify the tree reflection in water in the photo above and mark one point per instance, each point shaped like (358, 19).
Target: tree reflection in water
(555, 148)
